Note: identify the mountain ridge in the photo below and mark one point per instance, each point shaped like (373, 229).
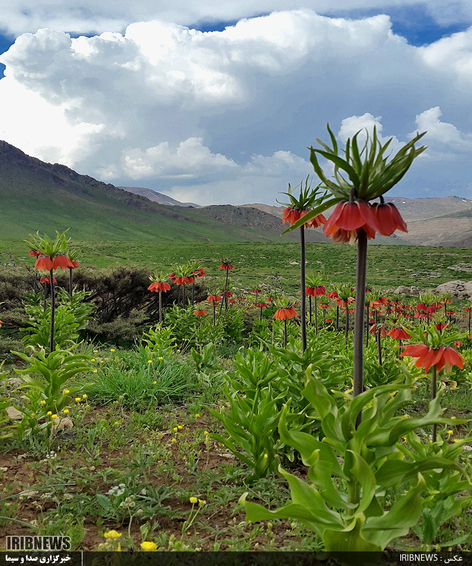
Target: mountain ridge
(39, 196)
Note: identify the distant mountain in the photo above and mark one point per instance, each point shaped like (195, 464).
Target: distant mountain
(39, 196)
(414, 209)
(438, 221)
(248, 217)
(160, 198)
(274, 210)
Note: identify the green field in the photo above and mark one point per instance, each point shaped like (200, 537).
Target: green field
(274, 264)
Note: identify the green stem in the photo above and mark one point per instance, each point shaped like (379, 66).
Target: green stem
(160, 307)
(433, 396)
(45, 296)
(224, 291)
(361, 269)
(353, 495)
(346, 327)
(53, 311)
(379, 347)
(71, 291)
(359, 314)
(302, 284)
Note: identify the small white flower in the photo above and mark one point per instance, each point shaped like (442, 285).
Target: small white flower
(28, 493)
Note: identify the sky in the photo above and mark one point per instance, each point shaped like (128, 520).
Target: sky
(216, 101)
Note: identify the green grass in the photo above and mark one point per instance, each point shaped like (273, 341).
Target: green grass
(274, 265)
(137, 380)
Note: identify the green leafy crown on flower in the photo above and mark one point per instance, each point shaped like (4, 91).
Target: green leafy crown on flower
(344, 292)
(158, 276)
(47, 246)
(307, 199)
(183, 270)
(365, 174)
(434, 338)
(314, 280)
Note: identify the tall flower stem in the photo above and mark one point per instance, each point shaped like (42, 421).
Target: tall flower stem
(359, 315)
(45, 296)
(53, 310)
(160, 307)
(316, 314)
(379, 346)
(71, 291)
(309, 300)
(285, 332)
(302, 285)
(224, 292)
(433, 396)
(346, 325)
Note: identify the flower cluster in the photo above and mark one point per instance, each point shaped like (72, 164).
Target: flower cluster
(352, 215)
(285, 313)
(442, 357)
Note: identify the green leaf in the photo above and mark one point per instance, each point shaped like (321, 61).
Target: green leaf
(350, 540)
(314, 517)
(394, 472)
(306, 444)
(104, 502)
(366, 479)
(396, 522)
(310, 498)
(342, 164)
(226, 442)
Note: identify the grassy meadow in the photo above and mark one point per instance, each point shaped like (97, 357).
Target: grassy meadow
(275, 264)
(151, 445)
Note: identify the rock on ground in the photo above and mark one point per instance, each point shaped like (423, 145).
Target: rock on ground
(459, 289)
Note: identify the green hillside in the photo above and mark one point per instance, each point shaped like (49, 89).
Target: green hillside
(40, 196)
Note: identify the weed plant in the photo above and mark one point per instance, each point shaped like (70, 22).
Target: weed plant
(140, 386)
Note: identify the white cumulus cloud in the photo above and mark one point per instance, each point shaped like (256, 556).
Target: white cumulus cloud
(189, 159)
(230, 114)
(96, 16)
(442, 137)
